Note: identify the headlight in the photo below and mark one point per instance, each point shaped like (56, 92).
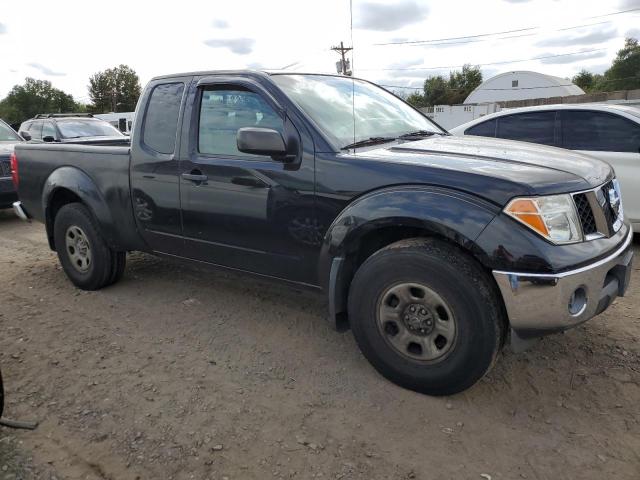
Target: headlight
(554, 217)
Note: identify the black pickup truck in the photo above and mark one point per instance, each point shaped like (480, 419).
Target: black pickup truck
(431, 248)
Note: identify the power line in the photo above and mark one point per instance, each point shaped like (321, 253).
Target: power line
(490, 34)
(477, 40)
(483, 64)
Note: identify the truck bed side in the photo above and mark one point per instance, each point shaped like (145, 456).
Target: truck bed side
(96, 175)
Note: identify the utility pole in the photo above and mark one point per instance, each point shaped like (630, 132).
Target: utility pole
(343, 66)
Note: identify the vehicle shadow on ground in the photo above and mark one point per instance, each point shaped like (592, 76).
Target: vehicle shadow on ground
(8, 216)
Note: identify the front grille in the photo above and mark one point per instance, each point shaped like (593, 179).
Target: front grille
(596, 212)
(609, 214)
(585, 214)
(5, 167)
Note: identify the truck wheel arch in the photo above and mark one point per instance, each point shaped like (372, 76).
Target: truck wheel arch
(366, 226)
(70, 185)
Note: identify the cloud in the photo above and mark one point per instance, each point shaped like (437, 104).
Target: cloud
(240, 46)
(255, 66)
(407, 63)
(629, 4)
(220, 24)
(633, 33)
(597, 68)
(571, 58)
(582, 37)
(3, 28)
(46, 70)
(388, 17)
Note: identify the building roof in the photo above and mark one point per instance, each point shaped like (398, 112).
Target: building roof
(522, 85)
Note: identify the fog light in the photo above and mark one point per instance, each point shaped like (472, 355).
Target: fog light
(578, 301)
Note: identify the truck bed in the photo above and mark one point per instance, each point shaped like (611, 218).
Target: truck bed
(103, 167)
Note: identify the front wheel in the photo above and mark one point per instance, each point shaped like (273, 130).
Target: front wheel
(84, 255)
(425, 316)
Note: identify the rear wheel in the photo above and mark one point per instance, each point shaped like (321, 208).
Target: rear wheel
(84, 255)
(424, 314)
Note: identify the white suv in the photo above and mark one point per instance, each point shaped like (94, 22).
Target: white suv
(608, 132)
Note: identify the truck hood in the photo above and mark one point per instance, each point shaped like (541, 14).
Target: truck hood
(511, 168)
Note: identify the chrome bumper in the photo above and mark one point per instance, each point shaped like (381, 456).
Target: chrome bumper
(19, 211)
(538, 304)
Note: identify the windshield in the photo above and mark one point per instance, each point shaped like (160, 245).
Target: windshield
(76, 128)
(7, 134)
(345, 118)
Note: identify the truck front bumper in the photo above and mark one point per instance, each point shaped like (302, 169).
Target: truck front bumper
(539, 304)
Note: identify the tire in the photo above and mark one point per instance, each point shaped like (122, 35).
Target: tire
(119, 265)
(443, 348)
(83, 253)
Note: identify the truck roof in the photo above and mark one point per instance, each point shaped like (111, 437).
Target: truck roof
(247, 72)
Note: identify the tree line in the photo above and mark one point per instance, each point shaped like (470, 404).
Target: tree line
(112, 90)
(624, 74)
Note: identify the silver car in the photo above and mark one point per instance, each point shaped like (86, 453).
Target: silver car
(605, 131)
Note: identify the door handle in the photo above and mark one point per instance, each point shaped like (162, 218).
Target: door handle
(195, 176)
(248, 182)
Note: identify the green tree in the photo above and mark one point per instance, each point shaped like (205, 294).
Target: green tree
(462, 83)
(416, 99)
(436, 91)
(585, 80)
(440, 91)
(33, 97)
(624, 73)
(114, 90)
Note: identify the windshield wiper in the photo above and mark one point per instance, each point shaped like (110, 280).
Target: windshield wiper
(417, 134)
(368, 141)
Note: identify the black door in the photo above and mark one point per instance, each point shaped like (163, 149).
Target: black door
(246, 211)
(154, 170)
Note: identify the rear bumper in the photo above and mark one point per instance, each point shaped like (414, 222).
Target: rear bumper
(539, 304)
(8, 193)
(20, 212)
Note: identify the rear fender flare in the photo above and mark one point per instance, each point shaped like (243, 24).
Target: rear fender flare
(80, 184)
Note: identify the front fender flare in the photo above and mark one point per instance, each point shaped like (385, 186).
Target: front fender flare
(449, 214)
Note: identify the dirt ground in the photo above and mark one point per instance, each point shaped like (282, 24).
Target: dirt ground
(181, 373)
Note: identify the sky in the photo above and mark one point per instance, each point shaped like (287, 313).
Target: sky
(67, 41)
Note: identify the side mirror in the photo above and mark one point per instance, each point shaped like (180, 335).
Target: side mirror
(25, 135)
(48, 139)
(260, 141)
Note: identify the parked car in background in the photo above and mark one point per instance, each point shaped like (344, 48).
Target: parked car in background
(68, 128)
(8, 139)
(608, 132)
(430, 247)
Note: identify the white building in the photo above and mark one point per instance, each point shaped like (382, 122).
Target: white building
(522, 85)
(509, 86)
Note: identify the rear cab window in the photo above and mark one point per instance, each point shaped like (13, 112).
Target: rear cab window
(161, 117)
